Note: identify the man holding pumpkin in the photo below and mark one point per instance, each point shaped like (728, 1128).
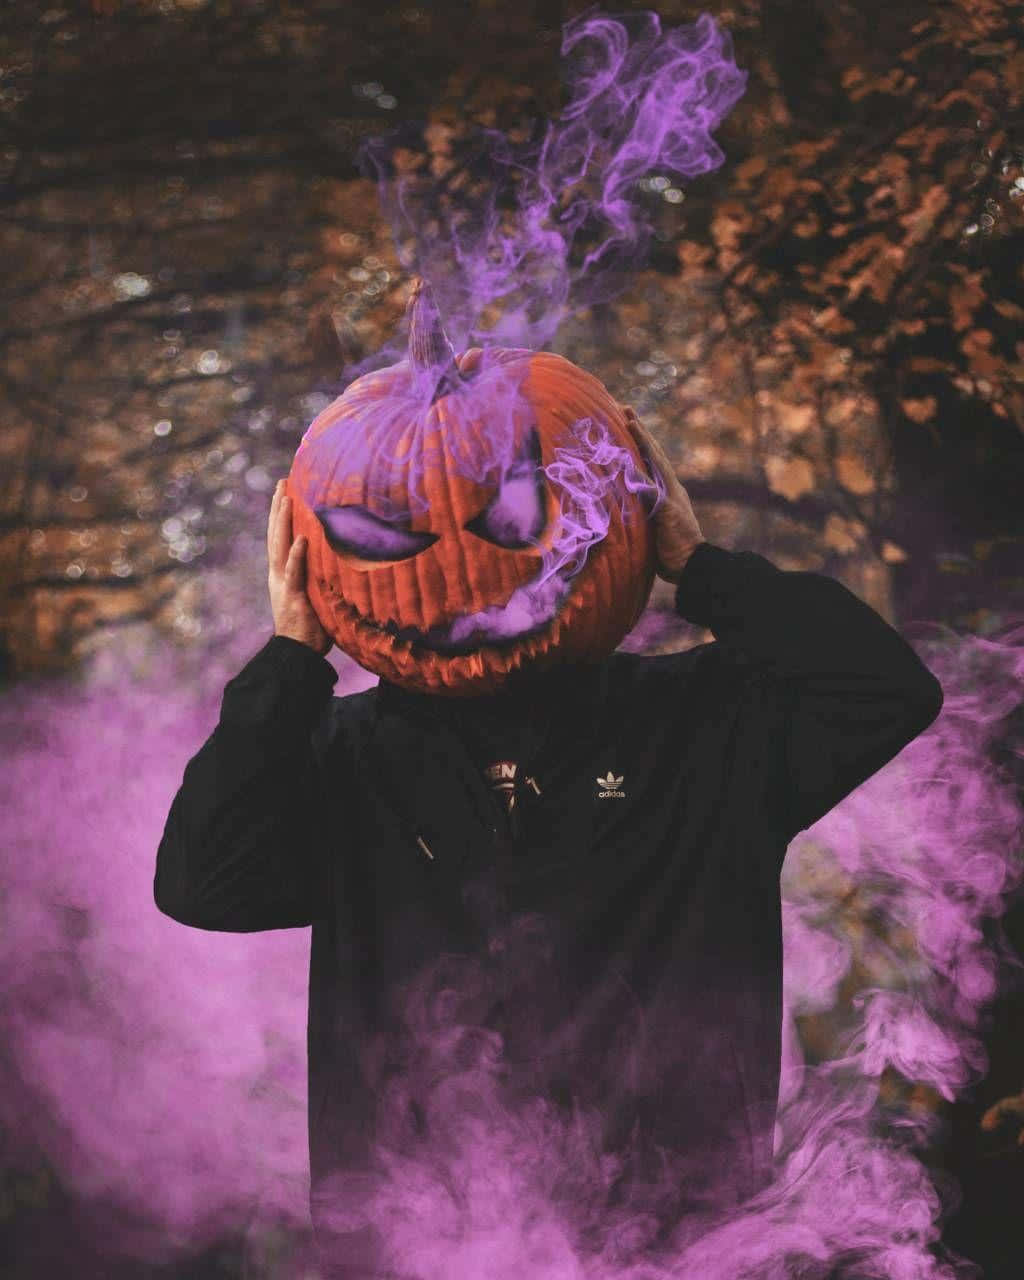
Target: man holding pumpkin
(580, 846)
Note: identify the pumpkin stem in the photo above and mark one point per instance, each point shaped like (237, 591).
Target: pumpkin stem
(429, 347)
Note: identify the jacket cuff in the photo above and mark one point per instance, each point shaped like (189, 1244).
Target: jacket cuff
(286, 682)
(299, 662)
(707, 576)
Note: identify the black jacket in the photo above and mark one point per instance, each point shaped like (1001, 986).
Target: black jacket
(625, 940)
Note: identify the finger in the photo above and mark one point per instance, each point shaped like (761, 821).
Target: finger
(655, 449)
(282, 535)
(654, 460)
(295, 566)
(648, 444)
(665, 466)
(275, 506)
(640, 437)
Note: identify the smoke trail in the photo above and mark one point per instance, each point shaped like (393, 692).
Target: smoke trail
(641, 99)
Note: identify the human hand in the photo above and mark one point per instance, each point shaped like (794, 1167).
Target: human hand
(289, 603)
(676, 528)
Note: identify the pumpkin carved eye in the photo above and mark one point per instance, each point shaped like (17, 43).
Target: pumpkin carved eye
(514, 518)
(357, 531)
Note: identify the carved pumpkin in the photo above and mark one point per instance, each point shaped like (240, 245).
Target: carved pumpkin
(470, 515)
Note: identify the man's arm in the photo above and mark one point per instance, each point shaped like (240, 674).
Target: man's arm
(245, 846)
(854, 692)
(246, 843)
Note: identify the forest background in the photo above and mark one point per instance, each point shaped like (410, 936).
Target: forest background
(827, 338)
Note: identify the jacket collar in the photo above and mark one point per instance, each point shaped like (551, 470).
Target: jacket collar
(560, 699)
(421, 760)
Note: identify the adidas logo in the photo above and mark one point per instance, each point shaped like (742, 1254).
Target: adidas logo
(609, 787)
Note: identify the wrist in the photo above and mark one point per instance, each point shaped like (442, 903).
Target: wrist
(674, 572)
(319, 647)
(283, 687)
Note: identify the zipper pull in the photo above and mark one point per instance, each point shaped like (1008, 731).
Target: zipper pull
(532, 782)
(425, 847)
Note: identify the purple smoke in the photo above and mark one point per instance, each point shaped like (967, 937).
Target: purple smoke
(161, 1069)
(588, 475)
(641, 99)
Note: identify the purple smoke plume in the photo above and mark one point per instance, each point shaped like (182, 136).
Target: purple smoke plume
(588, 476)
(161, 1070)
(641, 99)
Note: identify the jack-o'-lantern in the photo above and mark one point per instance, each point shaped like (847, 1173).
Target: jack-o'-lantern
(468, 515)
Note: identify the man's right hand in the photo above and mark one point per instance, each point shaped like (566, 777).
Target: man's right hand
(293, 614)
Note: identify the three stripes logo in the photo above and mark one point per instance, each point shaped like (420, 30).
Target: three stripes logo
(608, 787)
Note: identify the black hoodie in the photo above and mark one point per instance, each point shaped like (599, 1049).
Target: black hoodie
(624, 937)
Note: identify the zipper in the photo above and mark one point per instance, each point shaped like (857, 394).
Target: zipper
(512, 836)
(513, 820)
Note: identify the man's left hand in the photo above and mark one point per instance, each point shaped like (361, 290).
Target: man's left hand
(676, 529)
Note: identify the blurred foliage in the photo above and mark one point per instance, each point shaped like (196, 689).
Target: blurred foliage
(828, 337)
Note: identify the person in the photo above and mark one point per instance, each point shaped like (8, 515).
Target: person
(588, 858)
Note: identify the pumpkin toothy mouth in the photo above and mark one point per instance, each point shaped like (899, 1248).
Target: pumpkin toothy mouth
(468, 633)
(439, 639)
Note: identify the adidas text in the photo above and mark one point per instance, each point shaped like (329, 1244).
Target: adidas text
(609, 787)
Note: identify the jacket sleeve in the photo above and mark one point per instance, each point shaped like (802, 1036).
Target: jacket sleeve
(853, 692)
(244, 847)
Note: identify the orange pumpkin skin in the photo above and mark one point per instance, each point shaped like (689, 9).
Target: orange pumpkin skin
(461, 573)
